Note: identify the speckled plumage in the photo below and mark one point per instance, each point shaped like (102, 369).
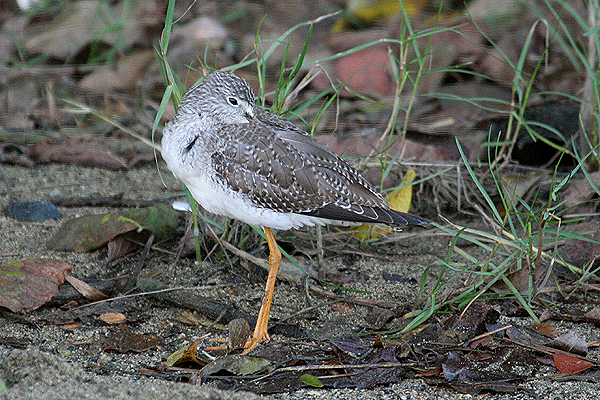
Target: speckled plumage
(247, 163)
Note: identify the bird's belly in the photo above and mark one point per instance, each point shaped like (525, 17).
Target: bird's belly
(220, 200)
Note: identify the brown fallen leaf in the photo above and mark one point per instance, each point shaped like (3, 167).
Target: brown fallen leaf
(500, 372)
(585, 250)
(28, 284)
(378, 318)
(112, 318)
(520, 279)
(89, 292)
(545, 329)
(130, 70)
(186, 355)
(593, 316)
(366, 71)
(70, 326)
(468, 323)
(124, 341)
(193, 37)
(570, 365)
(581, 191)
(81, 23)
(572, 341)
(77, 151)
(526, 335)
(125, 243)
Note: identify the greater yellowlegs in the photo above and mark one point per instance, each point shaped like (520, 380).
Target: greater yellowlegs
(246, 163)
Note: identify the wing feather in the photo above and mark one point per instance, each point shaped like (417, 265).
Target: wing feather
(280, 167)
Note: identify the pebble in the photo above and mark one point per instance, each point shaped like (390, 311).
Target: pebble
(32, 211)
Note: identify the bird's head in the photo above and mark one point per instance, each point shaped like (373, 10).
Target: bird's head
(221, 98)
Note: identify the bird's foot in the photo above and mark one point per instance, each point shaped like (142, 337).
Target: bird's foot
(257, 338)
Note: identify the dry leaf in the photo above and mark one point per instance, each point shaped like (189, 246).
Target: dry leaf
(112, 318)
(87, 291)
(239, 332)
(545, 329)
(130, 70)
(78, 151)
(570, 365)
(399, 200)
(581, 190)
(124, 341)
(28, 284)
(186, 355)
(91, 232)
(584, 252)
(81, 23)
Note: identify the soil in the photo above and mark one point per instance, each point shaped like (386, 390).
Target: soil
(43, 358)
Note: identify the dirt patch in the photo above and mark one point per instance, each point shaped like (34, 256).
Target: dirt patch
(43, 356)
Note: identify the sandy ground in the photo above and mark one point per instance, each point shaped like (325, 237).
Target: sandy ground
(58, 363)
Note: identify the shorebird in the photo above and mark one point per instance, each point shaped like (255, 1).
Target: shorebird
(247, 163)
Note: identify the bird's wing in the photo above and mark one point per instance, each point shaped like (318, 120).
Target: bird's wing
(254, 162)
(334, 168)
(283, 168)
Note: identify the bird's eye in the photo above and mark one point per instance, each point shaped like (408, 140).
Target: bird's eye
(233, 101)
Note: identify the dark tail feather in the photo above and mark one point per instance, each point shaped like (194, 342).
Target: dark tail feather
(401, 218)
(374, 215)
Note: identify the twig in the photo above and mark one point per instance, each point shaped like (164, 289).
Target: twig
(346, 366)
(483, 335)
(551, 350)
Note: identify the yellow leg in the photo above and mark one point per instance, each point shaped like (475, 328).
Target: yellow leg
(262, 323)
